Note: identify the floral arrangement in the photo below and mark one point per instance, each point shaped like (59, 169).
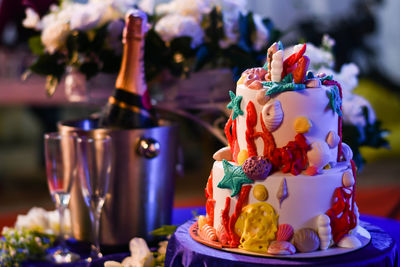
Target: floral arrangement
(183, 36)
(30, 237)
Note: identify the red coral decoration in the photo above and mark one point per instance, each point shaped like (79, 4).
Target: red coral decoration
(288, 64)
(242, 201)
(332, 82)
(251, 122)
(231, 135)
(210, 201)
(225, 217)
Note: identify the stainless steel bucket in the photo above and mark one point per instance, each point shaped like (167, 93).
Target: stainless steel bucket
(141, 190)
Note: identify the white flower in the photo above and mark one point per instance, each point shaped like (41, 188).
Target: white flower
(121, 6)
(172, 26)
(54, 36)
(36, 219)
(162, 247)
(87, 16)
(32, 19)
(347, 77)
(54, 222)
(319, 57)
(147, 6)
(261, 33)
(194, 8)
(141, 255)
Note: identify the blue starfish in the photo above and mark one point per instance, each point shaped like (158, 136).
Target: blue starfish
(334, 100)
(234, 177)
(235, 105)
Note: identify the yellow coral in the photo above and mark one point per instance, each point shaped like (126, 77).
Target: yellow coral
(257, 226)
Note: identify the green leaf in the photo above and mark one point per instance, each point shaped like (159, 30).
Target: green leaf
(47, 64)
(36, 46)
(51, 85)
(164, 230)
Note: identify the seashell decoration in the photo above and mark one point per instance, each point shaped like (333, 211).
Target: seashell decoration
(281, 248)
(202, 221)
(313, 83)
(306, 240)
(272, 115)
(261, 98)
(321, 74)
(277, 66)
(347, 152)
(324, 231)
(222, 235)
(223, 153)
(349, 241)
(332, 139)
(250, 78)
(255, 85)
(208, 233)
(282, 193)
(285, 232)
(242, 156)
(319, 155)
(256, 167)
(260, 72)
(260, 192)
(348, 179)
(302, 125)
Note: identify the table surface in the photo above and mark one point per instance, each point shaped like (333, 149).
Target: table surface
(182, 215)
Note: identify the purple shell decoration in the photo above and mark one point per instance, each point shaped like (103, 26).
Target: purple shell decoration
(306, 240)
(256, 168)
(285, 232)
(281, 248)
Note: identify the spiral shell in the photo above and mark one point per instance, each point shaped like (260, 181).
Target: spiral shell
(285, 232)
(223, 153)
(347, 152)
(260, 192)
(306, 240)
(348, 179)
(277, 66)
(281, 248)
(262, 98)
(202, 221)
(272, 115)
(258, 71)
(332, 139)
(324, 231)
(208, 233)
(222, 235)
(319, 155)
(250, 78)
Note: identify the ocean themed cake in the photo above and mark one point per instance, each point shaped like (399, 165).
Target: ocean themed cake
(286, 182)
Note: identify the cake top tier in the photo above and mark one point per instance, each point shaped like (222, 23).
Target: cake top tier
(286, 114)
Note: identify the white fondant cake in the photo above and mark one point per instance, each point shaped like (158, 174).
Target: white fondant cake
(286, 182)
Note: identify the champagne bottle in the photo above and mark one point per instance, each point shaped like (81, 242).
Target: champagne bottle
(129, 106)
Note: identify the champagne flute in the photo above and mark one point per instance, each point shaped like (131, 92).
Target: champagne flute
(95, 156)
(60, 159)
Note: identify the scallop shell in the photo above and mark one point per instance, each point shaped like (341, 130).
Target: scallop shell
(332, 139)
(319, 155)
(208, 233)
(324, 231)
(302, 125)
(222, 235)
(262, 98)
(250, 78)
(259, 71)
(285, 232)
(281, 248)
(223, 153)
(272, 115)
(347, 152)
(255, 85)
(306, 240)
(260, 192)
(349, 241)
(348, 179)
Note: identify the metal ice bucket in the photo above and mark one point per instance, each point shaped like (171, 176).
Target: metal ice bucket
(140, 195)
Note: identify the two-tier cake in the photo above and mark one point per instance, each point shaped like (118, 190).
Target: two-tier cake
(285, 183)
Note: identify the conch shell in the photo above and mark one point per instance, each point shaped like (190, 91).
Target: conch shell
(319, 155)
(277, 66)
(324, 231)
(272, 115)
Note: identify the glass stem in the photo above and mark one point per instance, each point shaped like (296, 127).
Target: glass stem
(96, 232)
(61, 212)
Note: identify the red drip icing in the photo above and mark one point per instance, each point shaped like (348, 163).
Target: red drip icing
(332, 82)
(210, 204)
(242, 201)
(290, 61)
(225, 217)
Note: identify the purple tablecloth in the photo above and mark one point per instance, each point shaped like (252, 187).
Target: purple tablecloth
(381, 251)
(383, 247)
